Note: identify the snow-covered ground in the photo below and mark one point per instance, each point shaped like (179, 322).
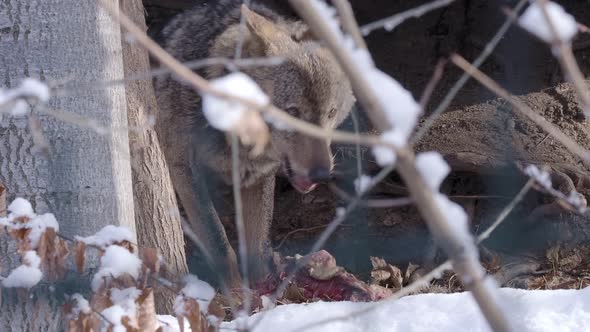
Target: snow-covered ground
(555, 311)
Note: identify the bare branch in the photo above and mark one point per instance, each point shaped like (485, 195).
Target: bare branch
(391, 22)
(349, 23)
(72, 88)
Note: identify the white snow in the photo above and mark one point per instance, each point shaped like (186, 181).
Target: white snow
(278, 124)
(533, 20)
(114, 314)
(26, 275)
(577, 200)
(124, 299)
(433, 168)
(362, 183)
(457, 219)
(38, 225)
(115, 262)
(399, 105)
(82, 305)
(20, 207)
(28, 88)
(340, 212)
(542, 177)
(20, 108)
(31, 87)
(384, 155)
(170, 324)
(224, 114)
(107, 235)
(196, 289)
(538, 311)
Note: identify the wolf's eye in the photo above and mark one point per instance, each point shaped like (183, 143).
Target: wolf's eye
(293, 111)
(332, 112)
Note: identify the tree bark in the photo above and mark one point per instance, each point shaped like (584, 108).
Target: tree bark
(86, 179)
(156, 211)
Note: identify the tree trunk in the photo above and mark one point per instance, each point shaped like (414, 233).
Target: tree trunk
(156, 211)
(86, 179)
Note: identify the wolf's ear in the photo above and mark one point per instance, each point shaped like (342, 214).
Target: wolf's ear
(264, 31)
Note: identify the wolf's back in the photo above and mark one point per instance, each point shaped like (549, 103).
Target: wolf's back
(189, 35)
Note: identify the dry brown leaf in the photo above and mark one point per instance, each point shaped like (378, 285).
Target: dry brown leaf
(196, 320)
(79, 253)
(22, 237)
(150, 259)
(130, 324)
(146, 311)
(253, 131)
(82, 322)
(410, 270)
(379, 276)
(378, 263)
(123, 281)
(294, 294)
(127, 245)
(180, 320)
(216, 309)
(396, 279)
(53, 252)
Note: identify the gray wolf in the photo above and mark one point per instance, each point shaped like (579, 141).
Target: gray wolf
(308, 85)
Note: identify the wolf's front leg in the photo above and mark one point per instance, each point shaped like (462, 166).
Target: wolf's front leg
(257, 209)
(204, 220)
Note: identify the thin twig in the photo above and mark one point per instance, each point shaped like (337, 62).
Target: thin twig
(481, 58)
(391, 22)
(357, 146)
(539, 120)
(349, 23)
(436, 77)
(299, 230)
(71, 88)
(236, 185)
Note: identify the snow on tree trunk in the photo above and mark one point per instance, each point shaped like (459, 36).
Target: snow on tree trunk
(158, 224)
(86, 179)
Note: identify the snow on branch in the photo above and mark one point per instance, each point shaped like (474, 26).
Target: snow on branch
(533, 20)
(15, 99)
(574, 199)
(26, 275)
(107, 236)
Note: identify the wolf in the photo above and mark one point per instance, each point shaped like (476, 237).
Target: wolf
(308, 85)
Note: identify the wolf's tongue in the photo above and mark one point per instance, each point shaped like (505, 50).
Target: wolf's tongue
(302, 184)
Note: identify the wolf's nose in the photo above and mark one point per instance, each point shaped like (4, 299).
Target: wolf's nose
(319, 174)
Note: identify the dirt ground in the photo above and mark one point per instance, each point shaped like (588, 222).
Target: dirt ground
(481, 137)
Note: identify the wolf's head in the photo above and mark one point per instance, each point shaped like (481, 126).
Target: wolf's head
(309, 85)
